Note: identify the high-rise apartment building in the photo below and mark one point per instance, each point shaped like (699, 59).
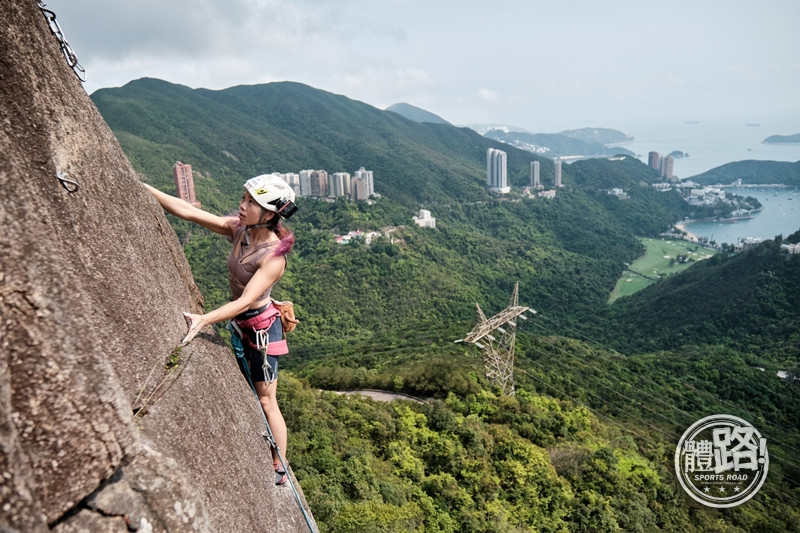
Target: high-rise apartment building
(496, 176)
(664, 165)
(339, 184)
(305, 182)
(654, 160)
(319, 183)
(293, 181)
(667, 165)
(366, 175)
(536, 182)
(358, 189)
(184, 183)
(557, 173)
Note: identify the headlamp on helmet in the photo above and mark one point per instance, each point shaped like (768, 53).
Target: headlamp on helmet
(272, 193)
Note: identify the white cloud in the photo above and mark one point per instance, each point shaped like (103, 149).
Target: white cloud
(542, 58)
(487, 95)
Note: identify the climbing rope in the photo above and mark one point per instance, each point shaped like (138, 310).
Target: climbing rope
(66, 49)
(173, 361)
(236, 333)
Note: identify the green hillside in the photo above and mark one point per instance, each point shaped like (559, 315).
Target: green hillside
(603, 392)
(750, 300)
(567, 253)
(752, 172)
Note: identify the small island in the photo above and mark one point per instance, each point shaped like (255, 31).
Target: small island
(777, 139)
(677, 154)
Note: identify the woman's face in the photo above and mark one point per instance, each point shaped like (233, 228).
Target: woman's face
(250, 211)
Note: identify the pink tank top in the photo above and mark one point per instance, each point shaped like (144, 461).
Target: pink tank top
(243, 263)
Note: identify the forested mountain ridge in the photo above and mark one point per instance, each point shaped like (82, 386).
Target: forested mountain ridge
(415, 113)
(286, 127)
(566, 252)
(752, 172)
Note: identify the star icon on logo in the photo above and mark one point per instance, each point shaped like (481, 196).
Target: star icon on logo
(722, 489)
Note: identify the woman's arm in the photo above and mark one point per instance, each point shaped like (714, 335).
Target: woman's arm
(187, 211)
(269, 271)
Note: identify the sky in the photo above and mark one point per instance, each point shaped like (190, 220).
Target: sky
(542, 65)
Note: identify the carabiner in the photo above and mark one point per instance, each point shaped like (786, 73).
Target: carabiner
(70, 185)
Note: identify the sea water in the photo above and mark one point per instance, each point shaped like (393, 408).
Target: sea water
(712, 143)
(780, 216)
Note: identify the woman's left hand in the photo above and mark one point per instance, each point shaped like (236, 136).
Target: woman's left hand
(196, 323)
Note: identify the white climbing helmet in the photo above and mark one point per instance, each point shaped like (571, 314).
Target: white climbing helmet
(272, 193)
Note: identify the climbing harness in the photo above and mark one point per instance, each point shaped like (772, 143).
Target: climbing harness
(260, 320)
(237, 337)
(66, 49)
(70, 185)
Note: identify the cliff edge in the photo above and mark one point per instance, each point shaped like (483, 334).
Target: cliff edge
(105, 424)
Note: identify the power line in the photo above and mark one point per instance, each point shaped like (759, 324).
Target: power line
(790, 433)
(653, 443)
(425, 336)
(626, 410)
(435, 332)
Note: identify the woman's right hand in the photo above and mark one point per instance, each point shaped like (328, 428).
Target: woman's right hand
(196, 323)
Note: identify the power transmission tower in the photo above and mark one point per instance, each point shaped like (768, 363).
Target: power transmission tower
(498, 351)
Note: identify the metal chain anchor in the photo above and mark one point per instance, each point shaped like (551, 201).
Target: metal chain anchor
(66, 49)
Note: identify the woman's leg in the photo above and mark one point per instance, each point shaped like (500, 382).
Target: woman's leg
(267, 395)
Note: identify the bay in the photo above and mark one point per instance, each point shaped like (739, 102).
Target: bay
(712, 142)
(780, 216)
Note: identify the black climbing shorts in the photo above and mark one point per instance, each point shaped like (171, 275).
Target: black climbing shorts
(250, 359)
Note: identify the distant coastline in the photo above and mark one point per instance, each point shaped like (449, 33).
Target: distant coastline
(687, 235)
(753, 185)
(782, 139)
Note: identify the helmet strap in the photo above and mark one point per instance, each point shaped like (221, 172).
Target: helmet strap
(246, 240)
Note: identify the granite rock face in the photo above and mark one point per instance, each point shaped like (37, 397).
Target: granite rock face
(105, 424)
